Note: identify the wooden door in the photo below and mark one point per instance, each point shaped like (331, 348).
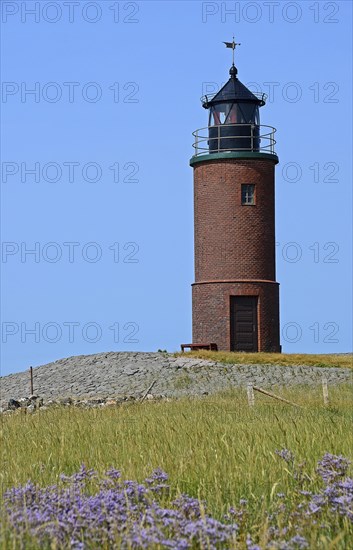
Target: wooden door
(243, 323)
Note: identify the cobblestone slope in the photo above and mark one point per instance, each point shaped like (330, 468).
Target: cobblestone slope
(126, 373)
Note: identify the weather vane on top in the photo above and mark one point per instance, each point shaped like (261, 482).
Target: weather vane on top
(232, 45)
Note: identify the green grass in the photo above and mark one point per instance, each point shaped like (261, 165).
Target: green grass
(216, 448)
(310, 360)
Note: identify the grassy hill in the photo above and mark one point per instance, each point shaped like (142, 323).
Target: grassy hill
(217, 448)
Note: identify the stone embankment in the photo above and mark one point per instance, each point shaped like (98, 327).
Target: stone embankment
(94, 380)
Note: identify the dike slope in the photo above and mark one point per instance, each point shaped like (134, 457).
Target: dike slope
(131, 373)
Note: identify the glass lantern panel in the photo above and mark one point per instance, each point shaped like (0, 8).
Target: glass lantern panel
(248, 113)
(219, 114)
(234, 113)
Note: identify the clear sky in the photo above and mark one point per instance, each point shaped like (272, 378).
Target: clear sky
(99, 101)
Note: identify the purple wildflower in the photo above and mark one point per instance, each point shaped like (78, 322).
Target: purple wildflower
(120, 515)
(298, 542)
(331, 467)
(250, 545)
(113, 474)
(112, 513)
(287, 455)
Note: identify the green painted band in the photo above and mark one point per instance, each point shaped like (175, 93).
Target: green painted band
(234, 155)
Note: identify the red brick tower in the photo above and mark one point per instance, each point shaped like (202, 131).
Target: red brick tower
(235, 294)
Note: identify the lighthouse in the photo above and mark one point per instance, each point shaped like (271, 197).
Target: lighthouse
(235, 296)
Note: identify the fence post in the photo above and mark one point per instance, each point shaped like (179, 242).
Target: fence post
(325, 391)
(31, 379)
(251, 397)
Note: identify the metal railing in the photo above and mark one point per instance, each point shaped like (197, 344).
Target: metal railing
(230, 95)
(234, 137)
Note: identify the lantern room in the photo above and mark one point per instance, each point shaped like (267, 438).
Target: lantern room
(234, 121)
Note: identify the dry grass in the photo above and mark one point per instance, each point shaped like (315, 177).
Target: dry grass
(215, 447)
(283, 359)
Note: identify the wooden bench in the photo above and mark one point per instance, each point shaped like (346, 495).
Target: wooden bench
(211, 346)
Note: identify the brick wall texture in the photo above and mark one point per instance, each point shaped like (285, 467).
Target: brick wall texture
(234, 249)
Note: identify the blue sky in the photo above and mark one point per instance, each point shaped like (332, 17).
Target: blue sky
(96, 179)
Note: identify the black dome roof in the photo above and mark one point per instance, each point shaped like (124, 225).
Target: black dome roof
(233, 91)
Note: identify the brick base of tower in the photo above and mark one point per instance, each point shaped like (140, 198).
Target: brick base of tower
(212, 316)
(235, 252)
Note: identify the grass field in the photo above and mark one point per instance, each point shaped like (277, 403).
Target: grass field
(309, 360)
(215, 448)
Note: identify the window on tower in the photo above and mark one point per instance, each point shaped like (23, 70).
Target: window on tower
(248, 193)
